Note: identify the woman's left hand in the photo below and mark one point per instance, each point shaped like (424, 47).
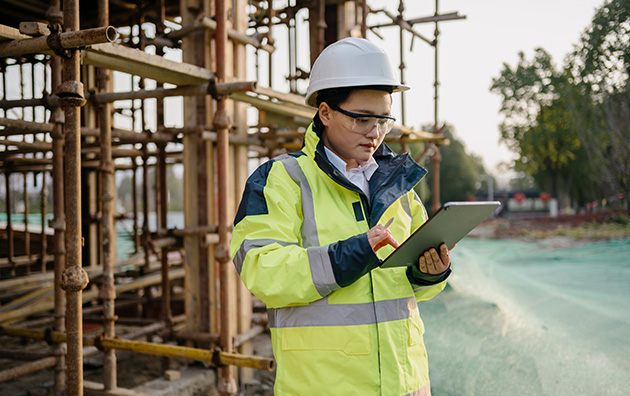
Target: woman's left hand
(432, 263)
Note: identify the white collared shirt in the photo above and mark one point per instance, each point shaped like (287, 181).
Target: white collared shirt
(359, 176)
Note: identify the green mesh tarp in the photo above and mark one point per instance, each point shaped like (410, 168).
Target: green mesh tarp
(532, 319)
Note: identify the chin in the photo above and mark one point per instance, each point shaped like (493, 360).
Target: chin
(364, 156)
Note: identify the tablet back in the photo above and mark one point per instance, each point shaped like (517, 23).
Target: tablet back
(448, 225)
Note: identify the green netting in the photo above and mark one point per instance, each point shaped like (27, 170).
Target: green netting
(532, 319)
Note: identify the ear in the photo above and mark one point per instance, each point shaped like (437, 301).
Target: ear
(325, 113)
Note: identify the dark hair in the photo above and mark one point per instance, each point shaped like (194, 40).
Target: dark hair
(336, 96)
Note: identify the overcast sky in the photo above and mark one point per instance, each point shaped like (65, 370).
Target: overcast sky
(472, 51)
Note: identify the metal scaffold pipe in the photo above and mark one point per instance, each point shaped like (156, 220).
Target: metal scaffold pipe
(194, 90)
(74, 279)
(57, 42)
(107, 290)
(108, 97)
(218, 357)
(211, 24)
(226, 383)
(26, 125)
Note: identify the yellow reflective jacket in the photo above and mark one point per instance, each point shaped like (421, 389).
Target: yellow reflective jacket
(340, 325)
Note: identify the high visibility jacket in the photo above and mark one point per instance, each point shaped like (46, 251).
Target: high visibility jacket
(340, 325)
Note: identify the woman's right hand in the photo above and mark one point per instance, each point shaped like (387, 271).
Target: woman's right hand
(380, 236)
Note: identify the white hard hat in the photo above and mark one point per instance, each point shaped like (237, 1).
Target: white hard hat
(351, 62)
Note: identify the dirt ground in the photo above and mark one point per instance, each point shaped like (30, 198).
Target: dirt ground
(133, 369)
(577, 229)
(136, 369)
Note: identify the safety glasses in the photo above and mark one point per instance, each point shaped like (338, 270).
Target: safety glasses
(364, 123)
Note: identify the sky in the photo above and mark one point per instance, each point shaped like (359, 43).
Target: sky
(472, 51)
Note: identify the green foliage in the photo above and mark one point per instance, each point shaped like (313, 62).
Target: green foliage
(538, 117)
(461, 174)
(602, 60)
(600, 70)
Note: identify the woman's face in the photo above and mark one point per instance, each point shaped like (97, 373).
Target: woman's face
(351, 146)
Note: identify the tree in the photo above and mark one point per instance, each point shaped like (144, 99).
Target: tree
(600, 67)
(461, 174)
(538, 118)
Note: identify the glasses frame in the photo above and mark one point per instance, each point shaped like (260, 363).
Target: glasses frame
(361, 115)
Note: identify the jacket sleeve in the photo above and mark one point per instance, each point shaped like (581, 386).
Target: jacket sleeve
(425, 286)
(267, 251)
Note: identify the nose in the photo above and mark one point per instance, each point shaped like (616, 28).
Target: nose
(375, 131)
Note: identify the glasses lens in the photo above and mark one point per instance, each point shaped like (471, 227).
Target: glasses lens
(364, 125)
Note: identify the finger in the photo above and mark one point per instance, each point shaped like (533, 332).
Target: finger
(380, 238)
(423, 264)
(393, 242)
(441, 262)
(429, 260)
(437, 262)
(445, 256)
(389, 240)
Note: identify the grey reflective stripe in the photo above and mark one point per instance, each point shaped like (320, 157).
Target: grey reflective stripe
(321, 270)
(343, 314)
(309, 227)
(406, 205)
(401, 308)
(249, 244)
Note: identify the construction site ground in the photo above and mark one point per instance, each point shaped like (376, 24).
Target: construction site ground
(535, 306)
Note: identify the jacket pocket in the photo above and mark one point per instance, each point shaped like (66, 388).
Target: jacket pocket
(416, 330)
(351, 340)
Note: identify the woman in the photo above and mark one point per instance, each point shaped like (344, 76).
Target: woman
(310, 233)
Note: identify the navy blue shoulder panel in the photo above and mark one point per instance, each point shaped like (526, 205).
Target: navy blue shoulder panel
(253, 201)
(395, 176)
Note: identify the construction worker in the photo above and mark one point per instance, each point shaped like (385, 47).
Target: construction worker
(310, 233)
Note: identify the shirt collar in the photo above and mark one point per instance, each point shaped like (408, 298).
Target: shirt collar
(368, 167)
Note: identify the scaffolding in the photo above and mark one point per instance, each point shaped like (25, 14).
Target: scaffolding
(67, 133)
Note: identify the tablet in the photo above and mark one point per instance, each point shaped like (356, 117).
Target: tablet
(452, 222)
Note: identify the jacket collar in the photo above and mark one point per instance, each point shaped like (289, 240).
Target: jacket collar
(396, 175)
